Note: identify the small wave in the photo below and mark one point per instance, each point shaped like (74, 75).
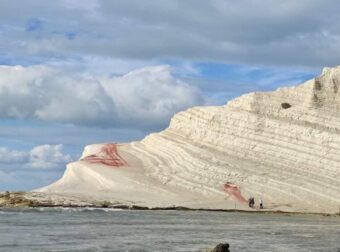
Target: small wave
(76, 249)
(58, 209)
(90, 209)
(75, 209)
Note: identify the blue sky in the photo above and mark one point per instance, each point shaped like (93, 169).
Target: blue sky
(76, 72)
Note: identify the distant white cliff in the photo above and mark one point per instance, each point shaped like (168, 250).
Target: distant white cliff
(281, 146)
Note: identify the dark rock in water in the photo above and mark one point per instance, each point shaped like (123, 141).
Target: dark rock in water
(222, 247)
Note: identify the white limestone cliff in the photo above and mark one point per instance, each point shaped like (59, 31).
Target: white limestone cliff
(281, 146)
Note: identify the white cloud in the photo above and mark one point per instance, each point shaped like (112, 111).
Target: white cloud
(40, 157)
(30, 169)
(290, 32)
(12, 156)
(144, 98)
(48, 156)
(150, 96)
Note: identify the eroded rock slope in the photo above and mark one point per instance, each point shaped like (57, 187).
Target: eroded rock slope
(281, 146)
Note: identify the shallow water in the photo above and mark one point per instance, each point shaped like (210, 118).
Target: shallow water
(99, 230)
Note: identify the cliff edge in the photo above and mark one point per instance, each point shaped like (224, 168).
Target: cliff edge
(281, 146)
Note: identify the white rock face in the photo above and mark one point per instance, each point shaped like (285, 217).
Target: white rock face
(281, 146)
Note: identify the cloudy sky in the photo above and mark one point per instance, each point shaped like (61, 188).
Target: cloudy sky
(75, 72)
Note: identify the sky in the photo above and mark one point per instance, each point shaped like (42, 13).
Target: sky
(77, 72)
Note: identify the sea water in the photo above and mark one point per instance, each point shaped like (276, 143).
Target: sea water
(62, 229)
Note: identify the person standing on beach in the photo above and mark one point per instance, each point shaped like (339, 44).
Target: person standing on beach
(261, 204)
(251, 202)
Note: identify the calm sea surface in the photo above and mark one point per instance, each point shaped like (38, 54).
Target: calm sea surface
(99, 230)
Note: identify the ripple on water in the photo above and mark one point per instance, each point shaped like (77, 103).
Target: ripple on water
(92, 229)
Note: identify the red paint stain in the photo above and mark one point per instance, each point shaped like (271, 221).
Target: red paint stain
(108, 155)
(234, 191)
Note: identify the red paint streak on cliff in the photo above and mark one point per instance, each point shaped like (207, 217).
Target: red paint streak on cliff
(108, 155)
(234, 191)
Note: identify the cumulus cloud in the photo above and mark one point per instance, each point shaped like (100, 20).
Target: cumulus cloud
(12, 156)
(150, 96)
(144, 98)
(48, 156)
(40, 157)
(22, 170)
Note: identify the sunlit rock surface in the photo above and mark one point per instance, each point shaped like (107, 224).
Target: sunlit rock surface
(281, 146)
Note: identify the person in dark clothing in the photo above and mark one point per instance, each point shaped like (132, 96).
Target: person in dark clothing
(251, 202)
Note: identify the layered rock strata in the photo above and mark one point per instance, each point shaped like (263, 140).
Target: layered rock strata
(281, 146)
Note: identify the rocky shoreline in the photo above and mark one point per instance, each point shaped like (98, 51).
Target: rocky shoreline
(39, 200)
